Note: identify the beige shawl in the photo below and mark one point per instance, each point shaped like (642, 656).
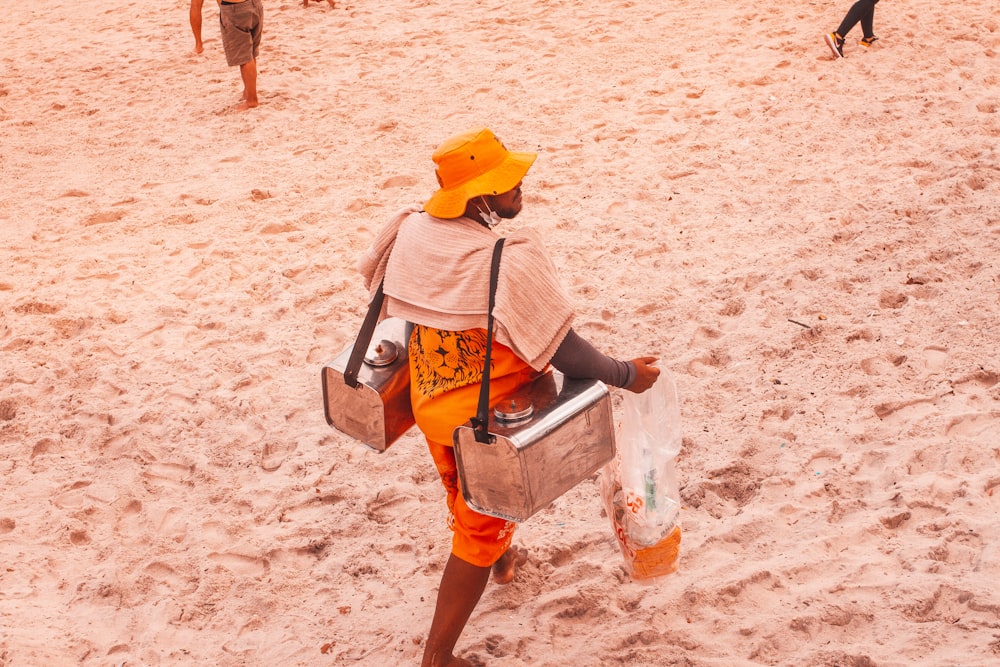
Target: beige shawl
(437, 273)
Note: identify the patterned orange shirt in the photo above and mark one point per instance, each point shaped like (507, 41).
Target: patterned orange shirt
(446, 369)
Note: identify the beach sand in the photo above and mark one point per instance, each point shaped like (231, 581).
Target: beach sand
(809, 245)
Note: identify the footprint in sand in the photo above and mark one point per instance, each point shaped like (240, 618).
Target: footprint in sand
(8, 410)
(83, 493)
(300, 557)
(384, 508)
(725, 491)
(906, 411)
(313, 509)
(175, 474)
(46, 446)
(580, 605)
(935, 357)
(981, 379)
(79, 537)
(174, 524)
(881, 365)
(950, 605)
(274, 454)
(976, 425)
(756, 585)
(169, 579)
(103, 217)
(240, 564)
(707, 364)
(214, 533)
(733, 308)
(892, 300)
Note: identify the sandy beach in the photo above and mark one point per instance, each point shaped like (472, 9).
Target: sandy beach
(809, 245)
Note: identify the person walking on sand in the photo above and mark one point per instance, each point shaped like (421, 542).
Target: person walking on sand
(195, 18)
(862, 11)
(434, 265)
(242, 23)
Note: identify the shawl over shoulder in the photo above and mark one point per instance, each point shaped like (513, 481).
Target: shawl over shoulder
(437, 273)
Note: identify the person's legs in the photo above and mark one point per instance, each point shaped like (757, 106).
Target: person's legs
(480, 545)
(862, 11)
(868, 21)
(248, 72)
(859, 11)
(241, 25)
(257, 30)
(462, 584)
(195, 16)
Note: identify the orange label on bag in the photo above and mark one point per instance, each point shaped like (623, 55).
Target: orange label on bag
(659, 559)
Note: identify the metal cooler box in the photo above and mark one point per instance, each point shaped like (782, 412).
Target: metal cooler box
(377, 411)
(545, 439)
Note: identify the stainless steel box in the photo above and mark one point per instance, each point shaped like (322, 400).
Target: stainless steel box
(378, 410)
(546, 438)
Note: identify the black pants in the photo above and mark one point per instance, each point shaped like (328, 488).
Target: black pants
(863, 11)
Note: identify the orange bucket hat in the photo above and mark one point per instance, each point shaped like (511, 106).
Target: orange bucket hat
(471, 164)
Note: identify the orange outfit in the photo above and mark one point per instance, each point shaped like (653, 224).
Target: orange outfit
(446, 370)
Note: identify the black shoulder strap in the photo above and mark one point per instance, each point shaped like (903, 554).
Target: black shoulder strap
(481, 421)
(364, 339)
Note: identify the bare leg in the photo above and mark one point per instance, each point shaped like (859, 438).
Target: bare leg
(462, 584)
(196, 24)
(249, 74)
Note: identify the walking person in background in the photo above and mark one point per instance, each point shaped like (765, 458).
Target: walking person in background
(242, 23)
(195, 15)
(862, 11)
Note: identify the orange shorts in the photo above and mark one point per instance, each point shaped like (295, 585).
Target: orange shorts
(477, 538)
(446, 369)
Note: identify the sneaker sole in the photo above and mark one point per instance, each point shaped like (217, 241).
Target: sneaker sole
(833, 46)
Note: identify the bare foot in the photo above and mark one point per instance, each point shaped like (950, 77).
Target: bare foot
(198, 48)
(247, 103)
(505, 568)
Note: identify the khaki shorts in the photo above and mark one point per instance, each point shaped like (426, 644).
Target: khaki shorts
(242, 24)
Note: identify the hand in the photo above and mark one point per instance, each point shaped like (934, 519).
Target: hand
(645, 374)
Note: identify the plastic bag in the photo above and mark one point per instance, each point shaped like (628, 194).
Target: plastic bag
(640, 489)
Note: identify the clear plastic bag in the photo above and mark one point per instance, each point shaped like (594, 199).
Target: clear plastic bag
(639, 488)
